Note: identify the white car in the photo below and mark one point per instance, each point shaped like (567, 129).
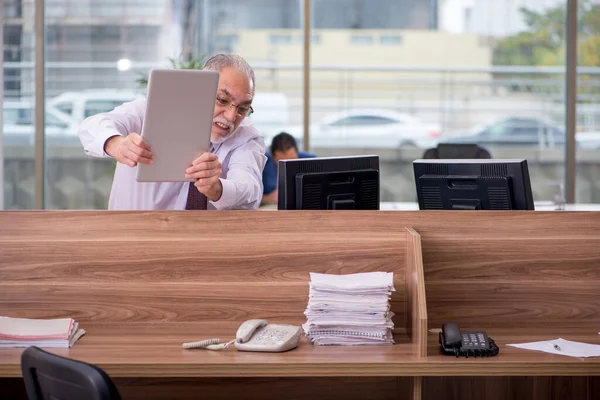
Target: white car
(588, 140)
(19, 125)
(83, 104)
(370, 128)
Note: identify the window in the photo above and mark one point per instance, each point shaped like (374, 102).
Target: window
(105, 34)
(52, 35)
(483, 63)
(13, 9)
(361, 39)
(394, 40)
(17, 116)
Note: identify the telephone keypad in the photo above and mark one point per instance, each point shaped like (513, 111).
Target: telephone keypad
(466, 343)
(272, 338)
(474, 340)
(267, 336)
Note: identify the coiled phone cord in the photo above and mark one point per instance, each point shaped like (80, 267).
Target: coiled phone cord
(209, 344)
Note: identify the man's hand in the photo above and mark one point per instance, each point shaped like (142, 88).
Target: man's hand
(206, 169)
(129, 150)
(270, 198)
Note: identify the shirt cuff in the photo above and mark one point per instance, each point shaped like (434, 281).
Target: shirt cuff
(102, 138)
(227, 199)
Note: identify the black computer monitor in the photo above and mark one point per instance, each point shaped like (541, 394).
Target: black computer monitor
(332, 183)
(473, 184)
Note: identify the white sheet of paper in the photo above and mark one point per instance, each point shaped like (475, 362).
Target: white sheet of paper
(354, 283)
(567, 347)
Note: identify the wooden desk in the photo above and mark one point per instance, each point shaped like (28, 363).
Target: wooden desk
(155, 352)
(143, 283)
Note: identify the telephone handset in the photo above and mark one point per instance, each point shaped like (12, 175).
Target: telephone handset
(256, 335)
(462, 343)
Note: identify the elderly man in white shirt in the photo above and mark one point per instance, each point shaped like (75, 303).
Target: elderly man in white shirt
(228, 177)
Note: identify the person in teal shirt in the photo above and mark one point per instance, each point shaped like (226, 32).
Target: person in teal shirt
(283, 147)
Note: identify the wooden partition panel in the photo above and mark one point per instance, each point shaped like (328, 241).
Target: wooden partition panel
(520, 276)
(523, 270)
(416, 302)
(498, 271)
(117, 267)
(192, 260)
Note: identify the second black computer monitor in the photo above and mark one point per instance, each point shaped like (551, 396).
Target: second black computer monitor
(329, 183)
(473, 184)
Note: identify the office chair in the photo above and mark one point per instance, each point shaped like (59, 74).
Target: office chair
(48, 376)
(456, 150)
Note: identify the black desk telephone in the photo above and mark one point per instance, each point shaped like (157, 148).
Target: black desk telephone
(475, 344)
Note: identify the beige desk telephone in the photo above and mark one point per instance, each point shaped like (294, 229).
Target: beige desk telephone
(256, 335)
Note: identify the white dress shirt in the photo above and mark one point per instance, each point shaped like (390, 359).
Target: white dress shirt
(241, 155)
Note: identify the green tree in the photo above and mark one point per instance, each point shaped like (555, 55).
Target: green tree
(189, 63)
(543, 42)
(589, 51)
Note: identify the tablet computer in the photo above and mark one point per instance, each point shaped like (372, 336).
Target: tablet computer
(178, 121)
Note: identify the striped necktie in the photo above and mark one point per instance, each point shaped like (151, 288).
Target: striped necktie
(195, 199)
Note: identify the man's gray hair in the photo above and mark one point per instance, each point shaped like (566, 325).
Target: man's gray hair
(220, 61)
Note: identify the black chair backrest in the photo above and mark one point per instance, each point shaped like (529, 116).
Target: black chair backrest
(456, 150)
(48, 376)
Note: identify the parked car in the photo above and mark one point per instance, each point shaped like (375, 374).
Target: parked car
(270, 117)
(83, 104)
(512, 131)
(19, 125)
(370, 128)
(588, 140)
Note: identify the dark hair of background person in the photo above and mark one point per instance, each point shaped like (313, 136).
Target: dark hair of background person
(283, 142)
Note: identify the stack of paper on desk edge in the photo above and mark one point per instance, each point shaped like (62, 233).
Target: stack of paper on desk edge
(25, 332)
(350, 309)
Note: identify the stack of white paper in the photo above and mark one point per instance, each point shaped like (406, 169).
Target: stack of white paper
(350, 309)
(24, 332)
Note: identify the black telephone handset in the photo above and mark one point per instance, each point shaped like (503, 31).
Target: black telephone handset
(476, 344)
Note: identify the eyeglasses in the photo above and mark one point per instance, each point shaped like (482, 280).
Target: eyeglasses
(241, 111)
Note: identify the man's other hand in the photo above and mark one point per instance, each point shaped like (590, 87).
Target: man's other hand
(129, 150)
(270, 198)
(206, 170)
